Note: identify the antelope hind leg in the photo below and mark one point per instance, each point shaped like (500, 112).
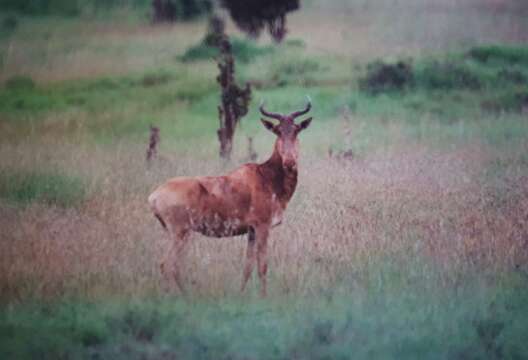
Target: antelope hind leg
(171, 266)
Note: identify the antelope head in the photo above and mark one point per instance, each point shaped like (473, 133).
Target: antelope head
(287, 144)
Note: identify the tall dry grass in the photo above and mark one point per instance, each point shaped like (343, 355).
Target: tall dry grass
(413, 208)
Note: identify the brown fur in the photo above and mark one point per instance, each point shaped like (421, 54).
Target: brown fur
(250, 199)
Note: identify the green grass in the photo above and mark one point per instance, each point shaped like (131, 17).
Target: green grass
(183, 101)
(21, 96)
(244, 51)
(500, 54)
(43, 187)
(446, 88)
(393, 315)
(113, 106)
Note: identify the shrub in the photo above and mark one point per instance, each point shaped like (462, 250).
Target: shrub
(383, 77)
(49, 188)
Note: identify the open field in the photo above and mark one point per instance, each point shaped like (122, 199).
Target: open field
(407, 236)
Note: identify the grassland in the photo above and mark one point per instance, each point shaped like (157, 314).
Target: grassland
(410, 241)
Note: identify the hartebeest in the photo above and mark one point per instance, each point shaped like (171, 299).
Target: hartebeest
(251, 200)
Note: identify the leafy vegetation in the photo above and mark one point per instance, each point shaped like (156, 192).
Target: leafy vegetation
(383, 77)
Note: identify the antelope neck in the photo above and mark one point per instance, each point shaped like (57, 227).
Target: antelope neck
(283, 181)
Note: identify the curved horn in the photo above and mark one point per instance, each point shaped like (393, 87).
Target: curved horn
(302, 112)
(269, 114)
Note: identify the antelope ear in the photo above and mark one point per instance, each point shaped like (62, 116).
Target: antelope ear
(269, 125)
(304, 124)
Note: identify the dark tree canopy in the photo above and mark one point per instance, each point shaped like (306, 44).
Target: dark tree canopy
(252, 16)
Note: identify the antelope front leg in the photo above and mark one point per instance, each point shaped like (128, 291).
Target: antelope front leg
(262, 256)
(250, 259)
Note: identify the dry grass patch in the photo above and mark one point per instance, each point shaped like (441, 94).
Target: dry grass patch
(346, 216)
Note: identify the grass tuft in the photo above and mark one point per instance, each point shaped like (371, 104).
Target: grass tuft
(43, 187)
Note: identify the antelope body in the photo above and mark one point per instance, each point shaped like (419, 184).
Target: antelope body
(249, 200)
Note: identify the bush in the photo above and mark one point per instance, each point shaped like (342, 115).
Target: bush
(382, 77)
(49, 188)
